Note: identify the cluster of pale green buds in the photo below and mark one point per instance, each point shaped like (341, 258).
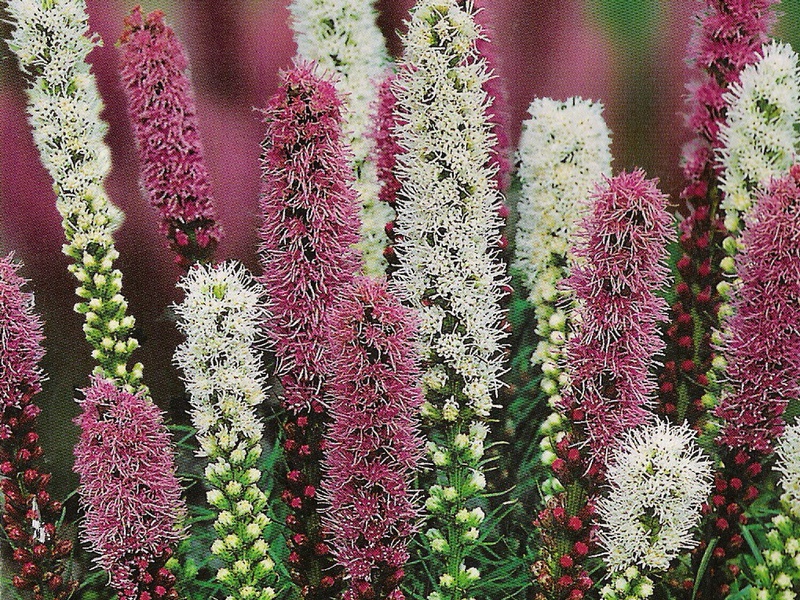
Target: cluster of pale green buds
(551, 430)
(777, 577)
(630, 584)
(241, 522)
(459, 582)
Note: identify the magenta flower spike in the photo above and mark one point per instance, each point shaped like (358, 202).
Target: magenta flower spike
(29, 514)
(129, 490)
(373, 445)
(164, 121)
(762, 350)
(387, 147)
(623, 246)
(310, 223)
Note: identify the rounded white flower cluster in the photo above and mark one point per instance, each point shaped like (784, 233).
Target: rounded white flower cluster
(220, 318)
(342, 36)
(64, 105)
(630, 584)
(564, 150)
(658, 479)
(788, 464)
(760, 136)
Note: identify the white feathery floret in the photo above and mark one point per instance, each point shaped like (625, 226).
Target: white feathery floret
(220, 318)
(788, 465)
(760, 135)
(448, 223)
(658, 479)
(564, 151)
(343, 37)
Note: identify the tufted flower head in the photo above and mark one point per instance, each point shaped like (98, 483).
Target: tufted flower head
(657, 480)
(128, 486)
(622, 245)
(164, 120)
(788, 465)
(759, 134)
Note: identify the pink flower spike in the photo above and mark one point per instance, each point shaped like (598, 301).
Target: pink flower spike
(128, 488)
(762, 350)
(374, 444)
(164, 121)
(623, 243)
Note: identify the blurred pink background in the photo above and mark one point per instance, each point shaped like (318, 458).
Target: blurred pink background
(236, 48)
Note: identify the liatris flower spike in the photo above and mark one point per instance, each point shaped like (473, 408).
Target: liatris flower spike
(759, 135)
(64, 105)
(788, 465)
(728, 36)
(310, 213)
(128, 490)
(164, 121)
(623, 249)
(342, 36)
(220, 318)
(373, 445)
(658, 478)
(29, 514)
(448, 218)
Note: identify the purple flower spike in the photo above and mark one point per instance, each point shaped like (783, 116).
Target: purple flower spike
(623, 243)
(129, 490)
(310, 223)
(374, 446)
(163, 116)
(762, 350)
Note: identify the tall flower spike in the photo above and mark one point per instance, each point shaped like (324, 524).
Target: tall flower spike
(788, 465)
(658, 478)
(163, 116)
(310, 213)
(622, 248)
(343, 37)
(447, 226)
(762, 351)
(29, 514)
(374, 446)
(129, 490)
(728, 36)
(220, 318)
(51, 43)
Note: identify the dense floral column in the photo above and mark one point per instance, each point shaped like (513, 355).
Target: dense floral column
(220, 317)
(342, 36)
(165, 123)
(310, 212)
(30, 515)
(448, 234)
(728, 36)
(622, 254)
(374, 446)
(761, 350)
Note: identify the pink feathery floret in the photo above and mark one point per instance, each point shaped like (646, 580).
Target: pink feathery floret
(727, 38)
(763, 345)
(374, 446)
(623, 243)
(128, 486)
(310, 213)
(387, 148)
(164, 120)
(20, 340)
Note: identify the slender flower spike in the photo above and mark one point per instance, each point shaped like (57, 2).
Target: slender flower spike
(220, 318)
(129, 490)
(374, 446)
(658, 478)
(622, 246)
(29, 514)
(788, 465)
(447, 228)
(762, 351)
(164, 120)
(310, 213)
(342, 36)
(50, 40)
